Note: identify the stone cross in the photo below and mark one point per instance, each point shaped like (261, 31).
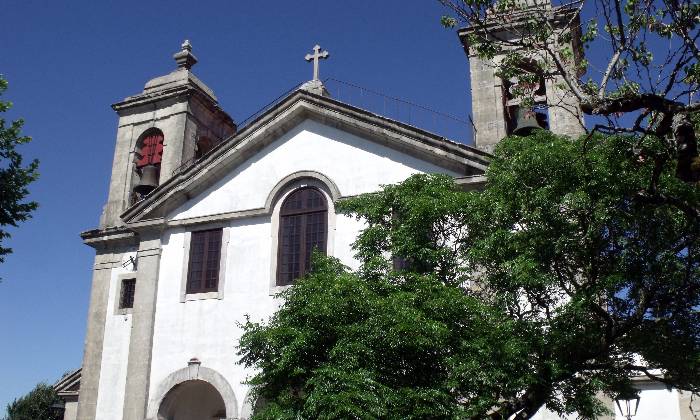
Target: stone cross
(315, 57)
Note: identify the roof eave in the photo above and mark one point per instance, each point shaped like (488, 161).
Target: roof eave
(287, 113)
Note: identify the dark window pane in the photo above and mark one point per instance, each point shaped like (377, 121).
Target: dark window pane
(126, 300)
(400, 263)
(205, 256)
(303, 220)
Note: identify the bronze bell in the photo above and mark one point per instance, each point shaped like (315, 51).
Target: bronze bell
(148, 179)
(526, 122)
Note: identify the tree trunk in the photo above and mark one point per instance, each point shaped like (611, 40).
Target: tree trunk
(688, 168)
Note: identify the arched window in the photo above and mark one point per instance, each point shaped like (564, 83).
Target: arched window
(521, 120)
(150, 149)
(147, 159)
(203, 146)
(303, 226)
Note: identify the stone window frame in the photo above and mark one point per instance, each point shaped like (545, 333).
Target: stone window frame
(219, 294)
(301, 244)
(281, 195)
(118, 293)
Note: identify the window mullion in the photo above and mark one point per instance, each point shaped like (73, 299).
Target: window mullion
(302, 244)
(205, 259)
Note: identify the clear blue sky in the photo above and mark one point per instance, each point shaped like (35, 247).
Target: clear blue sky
(67, 62)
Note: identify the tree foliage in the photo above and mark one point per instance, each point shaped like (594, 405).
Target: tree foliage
(14, 177)
(36, 405)
(560, 281)
(644, 72)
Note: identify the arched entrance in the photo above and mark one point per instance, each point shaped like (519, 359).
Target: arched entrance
(192, 400)
(194, 386)
(251, 406)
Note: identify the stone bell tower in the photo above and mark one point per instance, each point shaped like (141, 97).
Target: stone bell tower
(173, 122)
(496, 110)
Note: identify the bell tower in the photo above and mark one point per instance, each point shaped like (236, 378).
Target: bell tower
(496, 108)
(172, 123)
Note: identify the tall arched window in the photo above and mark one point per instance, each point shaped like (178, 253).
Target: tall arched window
(303, 226)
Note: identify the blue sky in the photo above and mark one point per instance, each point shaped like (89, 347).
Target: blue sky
(66, 63)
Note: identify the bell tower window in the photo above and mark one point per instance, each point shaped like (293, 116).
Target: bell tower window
(147, 160)
(203, 146)
(521, 119)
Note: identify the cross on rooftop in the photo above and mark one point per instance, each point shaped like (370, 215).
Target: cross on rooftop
(315, 57)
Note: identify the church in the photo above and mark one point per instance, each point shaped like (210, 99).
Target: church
(206, 222)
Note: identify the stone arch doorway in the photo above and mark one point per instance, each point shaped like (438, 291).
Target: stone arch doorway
(192, 400)
(177, 388)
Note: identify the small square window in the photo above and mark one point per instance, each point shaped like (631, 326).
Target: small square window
(126, 298)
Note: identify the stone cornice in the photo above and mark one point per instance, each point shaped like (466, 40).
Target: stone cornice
(69, 385)
(112, 236)
(183, 91)
(500, 24)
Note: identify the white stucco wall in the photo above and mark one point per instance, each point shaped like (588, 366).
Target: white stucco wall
(115, 352)
(655, 403)
(207, 329)
(354, 164)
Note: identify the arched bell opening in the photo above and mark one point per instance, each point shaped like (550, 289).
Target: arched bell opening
(203, 146)
(520, 119)
(192, 400)
(148, 155)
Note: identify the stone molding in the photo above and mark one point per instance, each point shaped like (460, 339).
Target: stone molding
(143, 321)
(296, 176)
(248, 407)
(279, 193)
(94, 339)
(194, 372)
(219, 293)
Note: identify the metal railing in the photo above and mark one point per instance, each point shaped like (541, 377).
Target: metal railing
(460, 129)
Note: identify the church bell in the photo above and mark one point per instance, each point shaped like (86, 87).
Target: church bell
(148, 179)
(526, 122)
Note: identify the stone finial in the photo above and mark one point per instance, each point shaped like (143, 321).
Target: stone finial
(184, 58)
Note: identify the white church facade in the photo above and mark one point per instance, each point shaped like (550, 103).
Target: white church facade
(182, 259)
(206, 222)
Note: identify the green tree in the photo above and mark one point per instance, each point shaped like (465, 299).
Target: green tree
(648, 83)
(14, 178)
(36, 405)
(560, 281)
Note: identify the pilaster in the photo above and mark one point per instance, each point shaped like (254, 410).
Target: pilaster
(688, 405)
(565, 115)
(94, 336)
(141, 344)
(487, 105)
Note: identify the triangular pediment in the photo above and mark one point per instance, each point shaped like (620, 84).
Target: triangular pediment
(289, 113)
